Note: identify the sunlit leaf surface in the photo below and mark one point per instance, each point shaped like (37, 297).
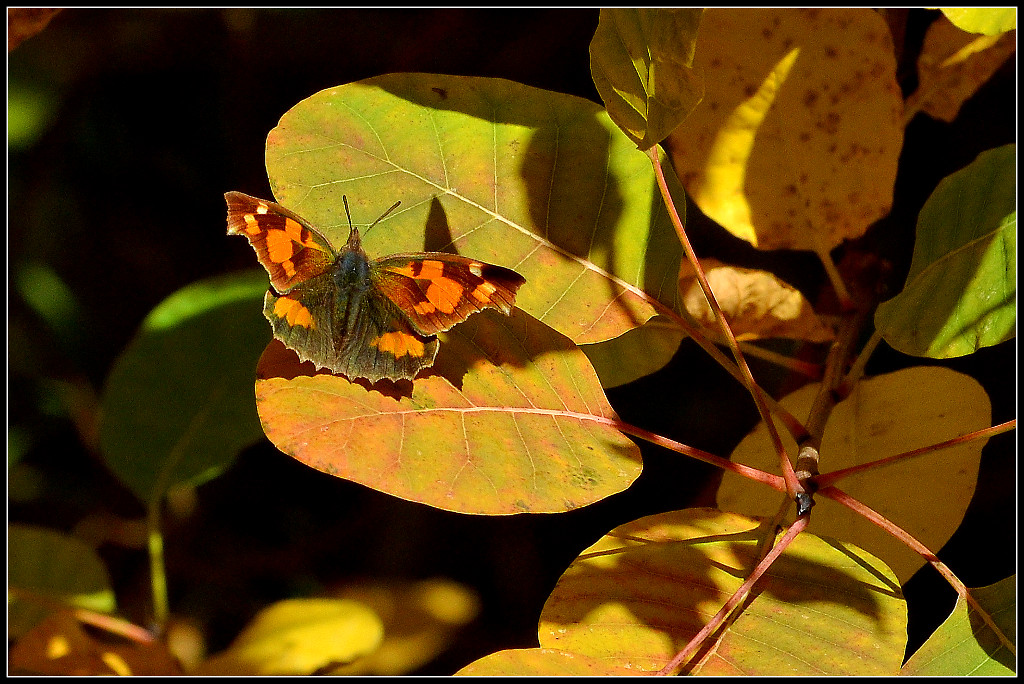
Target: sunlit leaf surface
(884, 416)
(796, 142)
(510, 419)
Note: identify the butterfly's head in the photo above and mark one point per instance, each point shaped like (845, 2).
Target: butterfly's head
(353, 235)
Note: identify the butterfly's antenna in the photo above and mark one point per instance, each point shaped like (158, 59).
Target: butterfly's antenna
(382, 216)
(344, 199)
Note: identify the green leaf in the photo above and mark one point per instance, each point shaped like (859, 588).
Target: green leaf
(961, 292)
(510, 419)
(987, 20)
(884, 416)
(57, 567)
(537, 181)
(635, 353)
(641, 61)
(639, 594)
(965, 645)
(178, 405)
(298, 637)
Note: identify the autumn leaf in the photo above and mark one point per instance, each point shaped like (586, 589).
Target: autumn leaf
(757, 304)
(510, 419)
(299, 637)
(884, 416)
(987, 20)
(60, 646)
(796, 142)
(637, 596)
(542, 662)
(540, 182)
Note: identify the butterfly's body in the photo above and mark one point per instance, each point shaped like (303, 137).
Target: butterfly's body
(357, 316)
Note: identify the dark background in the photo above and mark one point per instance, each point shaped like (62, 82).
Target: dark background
(144, 118)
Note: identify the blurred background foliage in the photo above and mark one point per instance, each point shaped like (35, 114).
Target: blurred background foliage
(125, 128)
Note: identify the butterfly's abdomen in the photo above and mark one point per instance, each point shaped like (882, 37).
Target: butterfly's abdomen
(352, 277)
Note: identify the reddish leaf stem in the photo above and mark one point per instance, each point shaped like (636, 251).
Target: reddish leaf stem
(740, 594)
(786, 464)
(829, 479)
(108, 623)
(881, 521)
(769, 479)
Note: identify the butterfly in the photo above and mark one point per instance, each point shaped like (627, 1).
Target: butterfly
(357, 316)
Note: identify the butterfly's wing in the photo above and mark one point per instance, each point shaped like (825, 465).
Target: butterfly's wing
(438, 290)
(360, 335)
(289, 248)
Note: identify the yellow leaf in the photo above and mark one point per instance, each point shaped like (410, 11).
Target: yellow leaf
(299, 636)
(419, 619)
(987, 20)
(884, 416)
(796, 142)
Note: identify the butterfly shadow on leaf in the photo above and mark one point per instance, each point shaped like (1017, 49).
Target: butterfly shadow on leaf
(437, 234)
(280, 362)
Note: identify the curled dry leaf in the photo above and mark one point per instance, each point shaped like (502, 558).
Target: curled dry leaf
(757, 304)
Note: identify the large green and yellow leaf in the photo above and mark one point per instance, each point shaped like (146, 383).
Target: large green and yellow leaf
(537, 181)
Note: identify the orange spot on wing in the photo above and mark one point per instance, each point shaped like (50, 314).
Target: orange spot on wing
(431, 270)
(252, 227)
(482, 292)
(400, 344)
(280, 246)
(293, 312)
(445, 294)
(297, 233)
